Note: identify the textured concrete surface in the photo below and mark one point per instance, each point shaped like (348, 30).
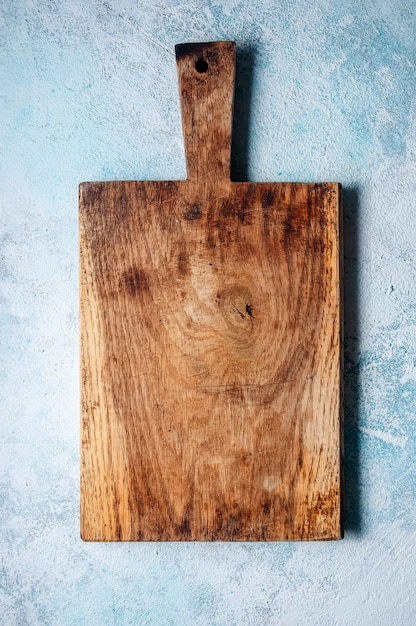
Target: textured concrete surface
(88, 92)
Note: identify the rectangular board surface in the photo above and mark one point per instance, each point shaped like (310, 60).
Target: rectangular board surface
(210, 344)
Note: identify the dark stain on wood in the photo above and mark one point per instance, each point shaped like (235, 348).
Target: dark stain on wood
(90, 195)
(227, 208)
(183, 263)
(135, 281)
(231, 210)
(184, 528)
(193, 212)
(267, 199)
(193, 50)
(289, 226)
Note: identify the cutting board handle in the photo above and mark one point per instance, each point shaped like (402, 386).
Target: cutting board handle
(206, 73)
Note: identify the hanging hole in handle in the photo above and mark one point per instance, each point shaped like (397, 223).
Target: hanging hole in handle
(201, 66)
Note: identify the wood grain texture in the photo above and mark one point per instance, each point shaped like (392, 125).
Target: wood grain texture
(210, 343)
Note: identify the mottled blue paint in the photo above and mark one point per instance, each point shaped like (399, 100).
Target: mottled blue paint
(325, 91)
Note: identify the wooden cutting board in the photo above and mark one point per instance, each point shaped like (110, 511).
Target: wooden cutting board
(210, 343)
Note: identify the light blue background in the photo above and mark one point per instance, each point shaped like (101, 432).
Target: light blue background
(326, 91)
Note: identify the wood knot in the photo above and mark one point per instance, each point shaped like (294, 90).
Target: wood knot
(235, 303)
